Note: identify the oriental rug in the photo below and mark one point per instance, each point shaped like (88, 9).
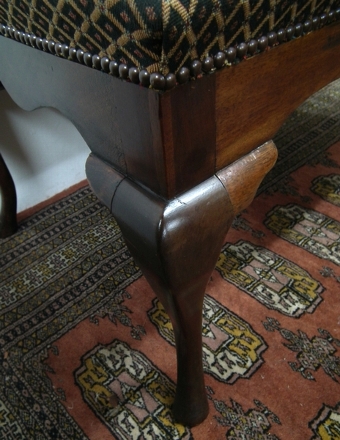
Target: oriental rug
(87, 351)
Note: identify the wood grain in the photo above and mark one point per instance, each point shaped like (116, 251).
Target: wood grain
(243, 178)
(189, 134)
(254, 98)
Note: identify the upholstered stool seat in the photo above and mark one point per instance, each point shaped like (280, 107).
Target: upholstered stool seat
(178, 102)
(161, 36)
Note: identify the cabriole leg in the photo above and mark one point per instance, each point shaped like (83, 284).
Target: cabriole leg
(176, 243)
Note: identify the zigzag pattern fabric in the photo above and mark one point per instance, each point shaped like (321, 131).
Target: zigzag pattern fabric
(157, 35)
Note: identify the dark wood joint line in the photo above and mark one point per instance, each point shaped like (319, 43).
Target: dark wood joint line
(103, 179)
(188, 123)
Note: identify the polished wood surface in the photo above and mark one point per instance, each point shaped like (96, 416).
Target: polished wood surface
(172, 141)
(189, 134)
(176, 243)
(245, 176)
(246, 104)
(254, 98)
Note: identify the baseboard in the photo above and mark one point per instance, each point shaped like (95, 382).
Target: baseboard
(30, 211)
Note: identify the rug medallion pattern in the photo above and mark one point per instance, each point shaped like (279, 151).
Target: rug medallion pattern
(276, 282)
(328, 187)
(327, 424)
(87, 351)
(231, 348)
(129, 393)
(308, 229)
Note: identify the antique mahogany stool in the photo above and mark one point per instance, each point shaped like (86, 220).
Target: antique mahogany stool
(178, 102)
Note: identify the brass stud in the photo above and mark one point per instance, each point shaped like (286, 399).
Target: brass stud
(96, 62)
(27, 38)
(45, 44)
(183, 75)
(231, 54)
(87, 57)
(65, 50)
(331, 16)
(51, 46)
(272, 38)
(170, 81)
(32, 40)
(144, 78)
(315, 23)
(105, 62)
(134, 75)
(58, 49)
(38, 43)
(113, 67)
(123, 71)
(80, 56)
(298, 30)
(208, 64)
(157, 81)
(252, 47)
(281, 35)
(196, 68)
(323, 19)
(307, 26)
(219, 60)
(241, 50)
(290, 31)
(72, 53)
(262, 43)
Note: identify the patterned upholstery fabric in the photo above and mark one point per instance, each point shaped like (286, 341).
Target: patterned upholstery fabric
(157, 35)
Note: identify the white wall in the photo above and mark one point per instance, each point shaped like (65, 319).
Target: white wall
(43, 151)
